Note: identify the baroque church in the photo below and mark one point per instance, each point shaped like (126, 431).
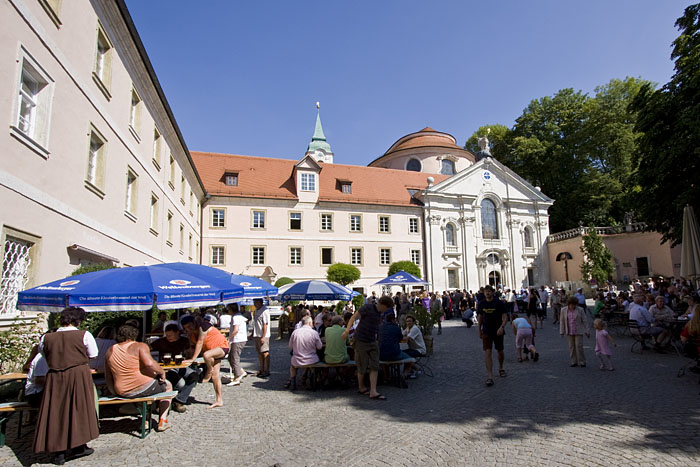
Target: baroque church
(465, 219)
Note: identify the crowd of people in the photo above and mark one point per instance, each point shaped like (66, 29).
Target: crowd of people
(62, 365)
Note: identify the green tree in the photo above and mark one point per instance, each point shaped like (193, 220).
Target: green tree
(598, 260)
(498, 136)
(406, 266)
(342, 273)
(283, 281)
(85, 268)
(669, 150)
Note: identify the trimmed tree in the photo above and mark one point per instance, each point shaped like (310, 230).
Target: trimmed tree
(283, 281)
(342, 273)
(598, 263)
(406, 266)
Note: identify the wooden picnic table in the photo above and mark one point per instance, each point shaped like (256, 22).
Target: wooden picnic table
(13, 377)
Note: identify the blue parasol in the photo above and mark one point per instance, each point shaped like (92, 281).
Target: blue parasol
(401, 278)
(315, 290)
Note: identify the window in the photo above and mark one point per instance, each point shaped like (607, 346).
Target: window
(33, 107)
(171, 182)
(384, 224)
(218, 255)
(191, 202)
(154, 214)
(326, 256)
(295, 256)
(258, 255)
(135, 113)
(294, 221)
(102, 74)
(413, 225)
(196, 252)
(182, 239)
(18, 267)
(308, 182)
(356, 256)
(231, 179)
(346, 187)
(492, 259)
(218, 218)
(530, 277)
(489, 223)
(415, 257)
(326, 222)
(642, 266)
(355, 223)
(527, 237)
(414, 165)
(189, 247)
(183, 189)
(170, 229)
(450, 235)
(447, 167)
(94, 178)
(131, 193)
(385, 256)
(258, 219)
(199, 213)
(157, 140)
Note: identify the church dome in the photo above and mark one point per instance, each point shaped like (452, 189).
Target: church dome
(428, 151)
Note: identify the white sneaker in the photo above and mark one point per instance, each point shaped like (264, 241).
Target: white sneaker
(235, 382)
(243, 375)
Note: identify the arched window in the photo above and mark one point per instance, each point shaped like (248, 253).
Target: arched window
(450, 234)
(414, 165)
(489, 223)
(527, 237)
(448, 167)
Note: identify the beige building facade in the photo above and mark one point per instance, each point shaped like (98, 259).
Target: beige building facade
(637, 253)
(94, 167)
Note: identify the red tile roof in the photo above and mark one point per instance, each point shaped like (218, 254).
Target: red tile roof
(261, 177)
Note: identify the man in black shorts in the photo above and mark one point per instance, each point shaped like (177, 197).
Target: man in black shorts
(492, 318)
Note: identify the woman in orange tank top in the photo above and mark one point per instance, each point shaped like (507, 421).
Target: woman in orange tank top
(214, 346)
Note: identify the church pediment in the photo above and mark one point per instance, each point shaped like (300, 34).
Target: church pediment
(489, 176)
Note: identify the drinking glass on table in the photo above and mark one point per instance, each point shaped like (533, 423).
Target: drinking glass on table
(167, 358)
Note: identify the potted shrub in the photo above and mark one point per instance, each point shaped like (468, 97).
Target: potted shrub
(426, 321)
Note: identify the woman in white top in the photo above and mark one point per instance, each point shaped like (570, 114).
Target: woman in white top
(238, 336)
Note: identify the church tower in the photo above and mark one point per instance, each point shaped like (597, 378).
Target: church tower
(319, 148)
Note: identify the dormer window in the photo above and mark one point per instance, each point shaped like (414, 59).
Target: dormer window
(345, 186)
(231, 179)
(308, 182)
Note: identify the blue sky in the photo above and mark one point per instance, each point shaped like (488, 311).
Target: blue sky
(243, 77)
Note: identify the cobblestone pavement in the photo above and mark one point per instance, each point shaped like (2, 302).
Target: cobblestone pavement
(543, 413)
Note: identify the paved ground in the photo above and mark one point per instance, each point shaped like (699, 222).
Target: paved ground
(545, 414)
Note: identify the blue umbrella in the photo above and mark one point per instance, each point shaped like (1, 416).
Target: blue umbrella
(401, 278)
(168, 286)
(315, 290)
(254, 287)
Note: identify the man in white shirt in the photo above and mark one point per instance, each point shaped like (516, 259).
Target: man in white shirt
(643, 318)
(261, 335)
(416, 345)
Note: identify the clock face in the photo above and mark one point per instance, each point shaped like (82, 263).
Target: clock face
(486, 175)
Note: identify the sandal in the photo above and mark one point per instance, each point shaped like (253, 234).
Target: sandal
(502, 373)
(489, 382)
(364, 393)
(378, 397)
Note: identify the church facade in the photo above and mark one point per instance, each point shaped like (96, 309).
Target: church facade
(466, 220)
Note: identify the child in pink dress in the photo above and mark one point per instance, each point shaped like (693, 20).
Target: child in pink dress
(603, 341)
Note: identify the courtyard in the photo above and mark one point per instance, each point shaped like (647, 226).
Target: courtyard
(543, 413)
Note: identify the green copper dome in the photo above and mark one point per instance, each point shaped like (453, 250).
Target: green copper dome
(318, 141)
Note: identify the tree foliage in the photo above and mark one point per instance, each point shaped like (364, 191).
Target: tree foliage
(669, 150)
(342, 273)
(283, 281)
(498, 140)
(86, 268)
(406, 266)
(579, 149)
(598, 259)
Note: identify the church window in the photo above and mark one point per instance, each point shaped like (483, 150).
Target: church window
(489, 223)
(414, 165)
(450, 234)
(447, 167)
(527, 237)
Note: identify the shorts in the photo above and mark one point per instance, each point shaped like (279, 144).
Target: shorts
(155, 387)
(366, 356)
(489, 340)
(260, 347)
(226, 351)
(523, 338)
(413, 353)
